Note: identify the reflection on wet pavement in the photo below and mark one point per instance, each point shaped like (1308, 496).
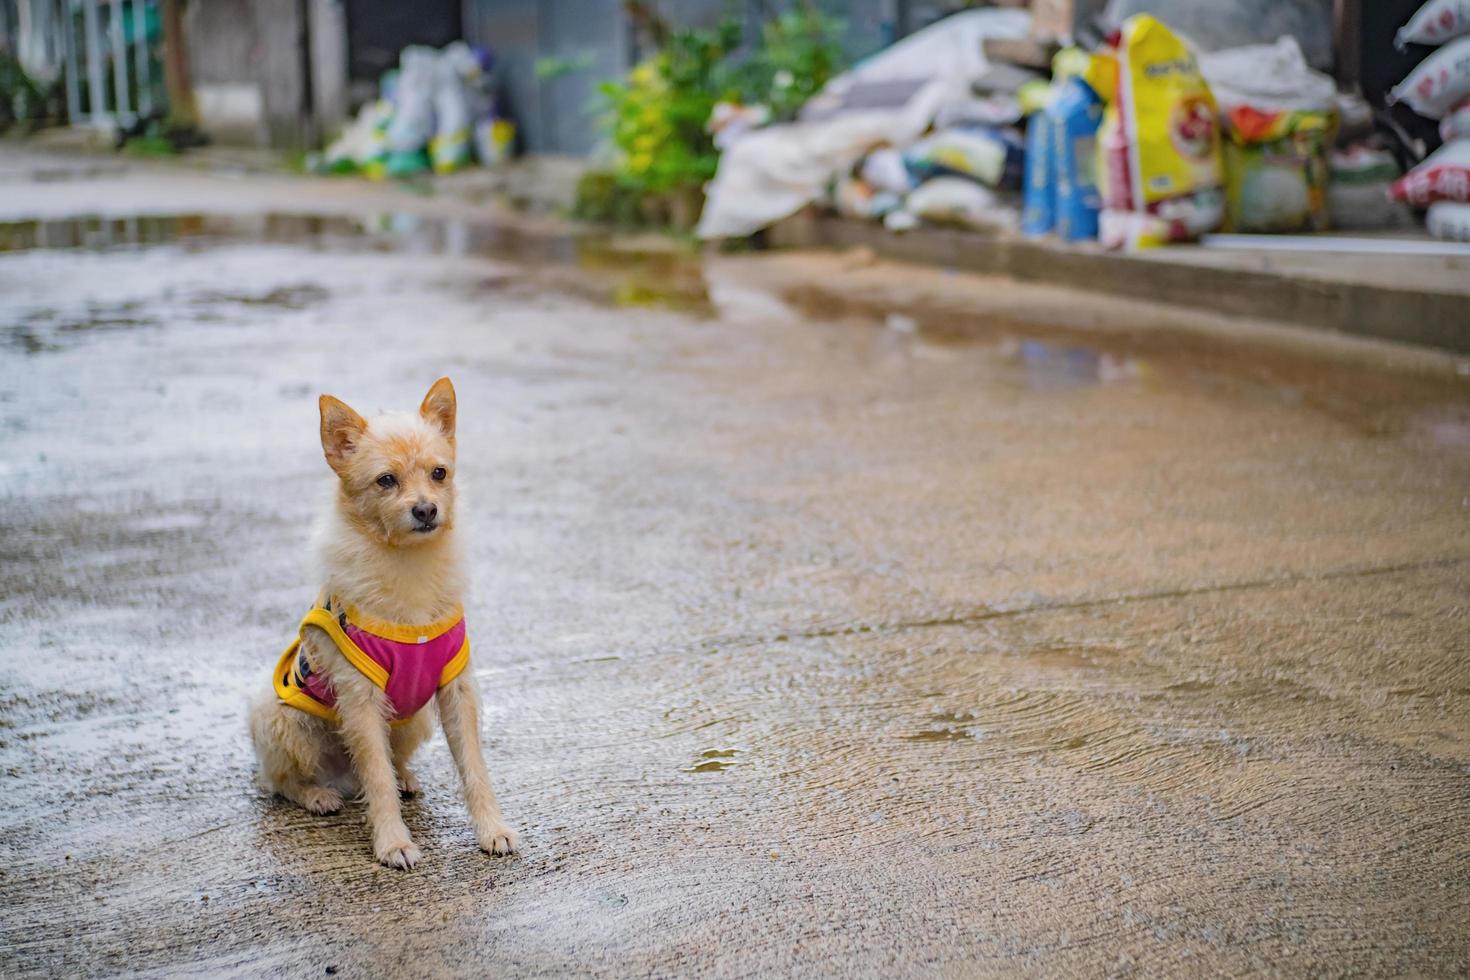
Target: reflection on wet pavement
(714, 760)
(948, 726)
(890, 636)
(661, 278)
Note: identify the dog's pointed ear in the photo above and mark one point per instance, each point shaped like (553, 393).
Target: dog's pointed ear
(342, 429)
(439, 406)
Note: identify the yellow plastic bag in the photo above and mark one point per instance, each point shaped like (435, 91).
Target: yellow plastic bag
(1159, 144)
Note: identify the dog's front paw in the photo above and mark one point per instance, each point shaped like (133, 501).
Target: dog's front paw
(320, 800)
(496, 838)
(397, 851)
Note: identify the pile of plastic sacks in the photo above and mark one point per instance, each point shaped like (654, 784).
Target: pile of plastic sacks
(948, 177)
(1439, 88)
(1146, 143)
(434, 112)
(900, 137)
(1137, 144)
(1146, 140)
(1149, 143)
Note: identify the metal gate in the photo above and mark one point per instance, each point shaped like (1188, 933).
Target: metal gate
(107, 49)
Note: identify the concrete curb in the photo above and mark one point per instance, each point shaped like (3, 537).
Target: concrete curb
(1415, 316)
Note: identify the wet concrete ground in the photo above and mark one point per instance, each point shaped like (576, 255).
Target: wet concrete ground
(835, 617)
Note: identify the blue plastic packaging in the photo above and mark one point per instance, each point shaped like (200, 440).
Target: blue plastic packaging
(1039, 193)
(1074, 116)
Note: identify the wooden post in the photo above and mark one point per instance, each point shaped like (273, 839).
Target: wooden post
(182, 113)
(1347, 44)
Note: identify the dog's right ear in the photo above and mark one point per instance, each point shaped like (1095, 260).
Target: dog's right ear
(342, 429)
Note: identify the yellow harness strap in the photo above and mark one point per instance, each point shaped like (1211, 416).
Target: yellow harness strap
(288, 685)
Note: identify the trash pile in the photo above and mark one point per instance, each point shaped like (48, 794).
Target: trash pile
(901, 137)
(436, 111)
(1148, 138)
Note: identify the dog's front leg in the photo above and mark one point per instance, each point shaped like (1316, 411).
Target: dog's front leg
(361, 708)
(459, 711)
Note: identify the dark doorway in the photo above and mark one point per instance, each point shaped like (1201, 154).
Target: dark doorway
(1383, 66)
(377, 30)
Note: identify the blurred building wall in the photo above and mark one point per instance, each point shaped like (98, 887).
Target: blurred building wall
(287, 73)
(575, 43)
(269, 72)
(222, 44)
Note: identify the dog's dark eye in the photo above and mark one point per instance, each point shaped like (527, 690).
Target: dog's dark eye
(387, 481)
(439, 474)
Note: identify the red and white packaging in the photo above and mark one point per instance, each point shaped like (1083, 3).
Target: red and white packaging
(1436, 22)
(1443, 176)
(1439, 83)
(1456, 124)
(1450, 221)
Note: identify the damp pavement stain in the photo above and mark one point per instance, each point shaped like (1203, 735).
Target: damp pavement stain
(714, 760)
(1049, 634)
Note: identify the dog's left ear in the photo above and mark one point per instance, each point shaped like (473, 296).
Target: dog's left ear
(342, 429)
(439, 405)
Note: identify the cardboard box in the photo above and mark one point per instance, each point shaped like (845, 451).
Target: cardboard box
(1060, 19)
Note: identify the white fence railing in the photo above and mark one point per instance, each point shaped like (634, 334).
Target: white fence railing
(102, 41)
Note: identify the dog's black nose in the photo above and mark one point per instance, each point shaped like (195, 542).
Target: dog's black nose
(425, 513)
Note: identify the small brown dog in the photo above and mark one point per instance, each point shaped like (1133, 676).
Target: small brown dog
(352, 698)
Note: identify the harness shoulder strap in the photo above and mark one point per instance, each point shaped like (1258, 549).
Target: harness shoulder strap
(330, 625)
(457, 664)
(290, 693)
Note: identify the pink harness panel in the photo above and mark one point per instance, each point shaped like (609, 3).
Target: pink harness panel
(415, 670)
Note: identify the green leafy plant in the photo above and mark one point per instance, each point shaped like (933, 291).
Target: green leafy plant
(800, 52)
(22, 100)
(554, 66)
(658, 115)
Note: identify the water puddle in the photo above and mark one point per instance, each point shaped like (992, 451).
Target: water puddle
(609, 270)
(1060, 658)
(653, 273)
(1054, 359)
(947, 726)
(46, 330)
(1044, 365)
(1060, 367)
(714, 760)
(99, 233)
(297, 297)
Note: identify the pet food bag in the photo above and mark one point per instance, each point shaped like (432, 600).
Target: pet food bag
(1439, 83)
(412, 125)
(1039, 195)
(1357, 193)
(885, 169)
(990, 155)
(1075, 115)
(494, 140)
(1436, 22)
(457, 102)
(1159, 143)
(955, 200)
(1456, 124)
(1277, 170)
(363, 145)
(1443, 176)
(449, 147)
(1449, 220)
(854, 197)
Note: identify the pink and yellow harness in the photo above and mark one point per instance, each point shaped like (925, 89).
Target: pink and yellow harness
(409, 663)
